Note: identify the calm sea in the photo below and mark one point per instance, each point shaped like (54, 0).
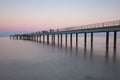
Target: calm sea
(30, 60)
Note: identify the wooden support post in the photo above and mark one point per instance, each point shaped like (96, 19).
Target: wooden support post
(115, 39)
(23, 37)
(61, 39)
(33, 37)
(10, 36)
(85, 40)
(40, 38)
(71, 40)
(91, 39)
(47, 38)
(13, 37)
(20, 37)
(53, 39)
(17, 37)
(43, 38)
(28, 37)
(37, 38)
(107, 39)
(58, 39)
(76, 40)
(66, 39)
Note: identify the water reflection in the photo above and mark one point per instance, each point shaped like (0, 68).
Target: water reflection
(91, 54)
(76, 50)
(85, 54)
(114, 55)
(107, 55)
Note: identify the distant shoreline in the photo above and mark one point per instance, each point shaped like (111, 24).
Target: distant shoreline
(4, 36)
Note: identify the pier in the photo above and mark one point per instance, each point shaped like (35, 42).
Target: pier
(107, 27)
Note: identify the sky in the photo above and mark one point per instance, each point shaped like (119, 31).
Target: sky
(20, 16)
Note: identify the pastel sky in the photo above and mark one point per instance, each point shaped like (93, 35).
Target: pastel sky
(35, 15)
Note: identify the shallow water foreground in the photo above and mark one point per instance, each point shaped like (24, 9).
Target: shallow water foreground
(28, 60)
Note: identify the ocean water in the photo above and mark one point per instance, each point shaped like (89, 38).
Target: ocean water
(31, 60)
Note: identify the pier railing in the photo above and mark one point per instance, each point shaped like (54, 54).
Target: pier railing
(97, 25)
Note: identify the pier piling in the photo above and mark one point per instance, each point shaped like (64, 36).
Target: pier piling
(43, 38)
(66, 40)
(91, 39)
(107, 39)
(61, 40)
(47, 38)
(85, 39)
(58, 39)
(76, 40)
(71, 40)
(115, 39)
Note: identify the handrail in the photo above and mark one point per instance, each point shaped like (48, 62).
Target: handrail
(97, 25)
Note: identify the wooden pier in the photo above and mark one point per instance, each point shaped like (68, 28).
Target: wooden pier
(107, 27)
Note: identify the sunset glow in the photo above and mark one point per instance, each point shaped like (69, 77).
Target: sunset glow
(37, 15)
